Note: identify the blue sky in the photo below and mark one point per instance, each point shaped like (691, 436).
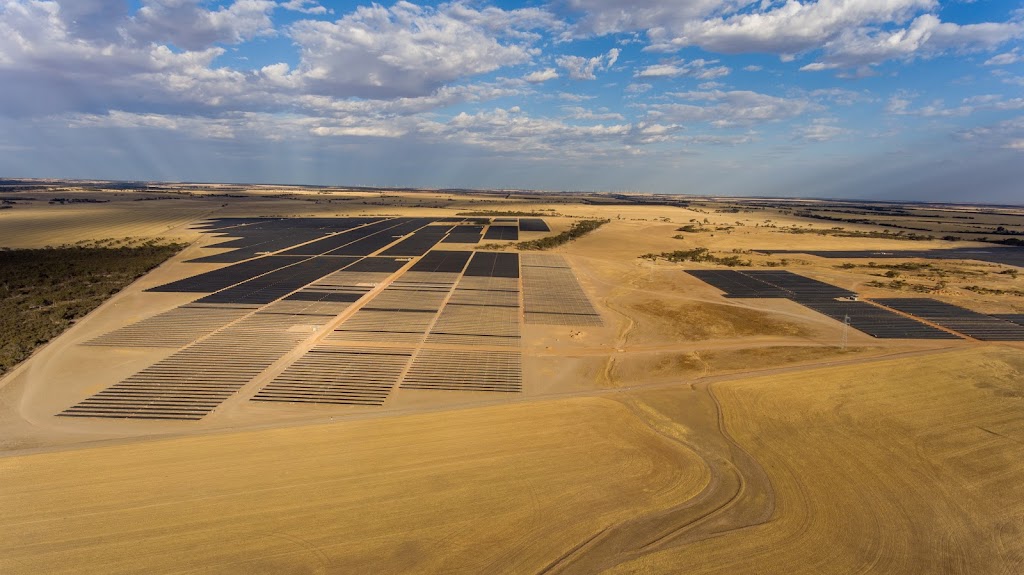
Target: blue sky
(877, 99)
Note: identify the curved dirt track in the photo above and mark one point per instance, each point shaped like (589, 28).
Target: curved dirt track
(885, 468)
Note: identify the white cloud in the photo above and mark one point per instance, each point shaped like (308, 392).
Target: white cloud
(926, 35)
(580, 68)
(305, 6)
(788, 28)
(853, 33)
(638, 88)
(700, 69)
(1007, 134)
(405, 50)
(726, 109)
(188, 25)
(603, 115)
(819, 130)
(541, 76)
(1006, 59)
(753, 68)
(902, 105)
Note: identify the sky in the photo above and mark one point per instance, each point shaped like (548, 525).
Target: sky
(875, 99)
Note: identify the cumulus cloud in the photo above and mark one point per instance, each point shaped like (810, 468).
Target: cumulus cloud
(1007, 134)
(580, 68)
(304, 6)
(926, 35)
(404, 50)
(187, 24)
(701, 69)
(904, 104)
(852, 32)
(726, 109)
(540, 76)
(1006, 59)
(819, 130)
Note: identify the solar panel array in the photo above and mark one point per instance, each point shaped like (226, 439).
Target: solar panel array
(192, 382)
(956, 318)
(533, 225)
(1017, 318)
(467, 234)
(502, 233)
(552, 295)
(822, 298)
(451, 321)
(465, 370)
(174, 328)
(738, 285)
(1006, 255)
(419, 243)
(336, 375)
(219, 279)
(272, 235)
(876, 321)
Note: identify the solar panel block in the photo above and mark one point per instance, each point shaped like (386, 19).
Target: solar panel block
(502, 233)
(439, 261)
(386, 326)
(465, 370)
(876, 321)
(799, 287)
(552, 295)
(277, 284)
(464, 235)
(419, 243)
(340, 376)
(1017, 318)
(738, 285)
(533, 225)
(493, 264)
(476, 325)
(174, 328)
(219, 279)
(192, 382)
(958, 319)
(380, 239)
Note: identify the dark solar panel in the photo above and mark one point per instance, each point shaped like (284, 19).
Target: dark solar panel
(419, 242)
(1017, 318)
(502, 233)
(387, 265)
(956, 318)
(876, 321)
(533, 225)
(273, 235)
(227, 276)
(442, 261)
(737, 285)
(277, 284)
(1006, 255)
(800, 287)
(371, 243)
(492, 264)
(822, 298)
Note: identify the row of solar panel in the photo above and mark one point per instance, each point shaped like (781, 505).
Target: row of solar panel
(866, 317)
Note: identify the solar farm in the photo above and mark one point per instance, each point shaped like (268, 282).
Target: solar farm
(346, 311)
(887, 318)
(448, 381)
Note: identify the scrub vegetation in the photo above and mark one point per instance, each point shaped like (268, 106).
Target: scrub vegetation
(43, 291)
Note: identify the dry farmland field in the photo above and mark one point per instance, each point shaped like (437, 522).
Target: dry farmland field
(334, 380)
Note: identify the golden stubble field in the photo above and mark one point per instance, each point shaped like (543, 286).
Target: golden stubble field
(692, 434)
